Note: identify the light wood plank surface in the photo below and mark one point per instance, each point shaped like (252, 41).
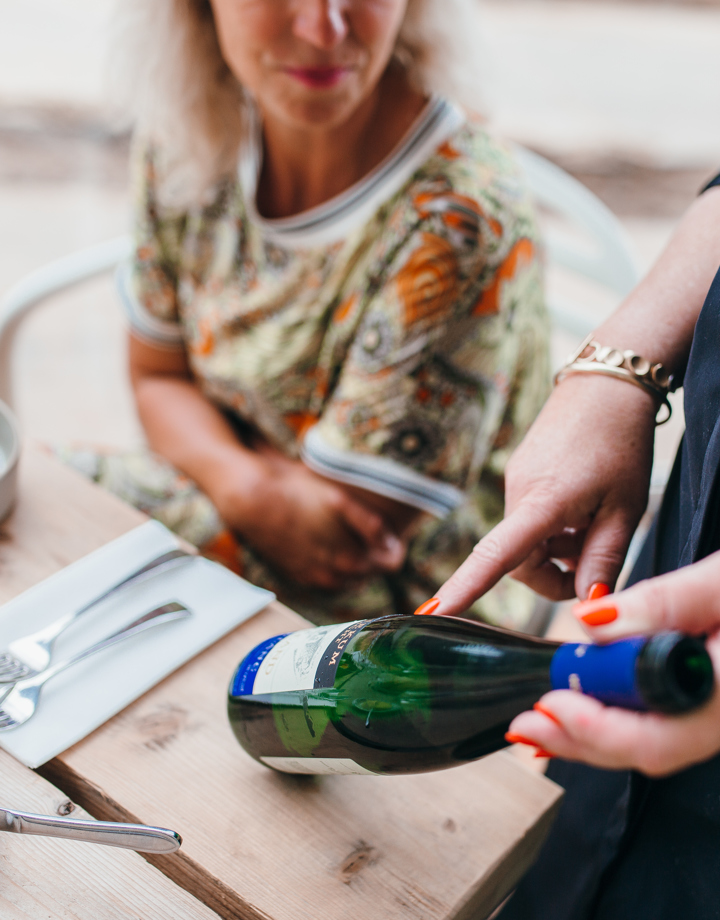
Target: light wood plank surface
(258, 844)
(50, 879)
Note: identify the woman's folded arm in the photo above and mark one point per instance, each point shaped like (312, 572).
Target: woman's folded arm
(319, 532)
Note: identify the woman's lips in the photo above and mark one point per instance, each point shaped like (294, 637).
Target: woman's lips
(318, 77)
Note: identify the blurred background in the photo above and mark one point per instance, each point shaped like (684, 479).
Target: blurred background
(624, 95)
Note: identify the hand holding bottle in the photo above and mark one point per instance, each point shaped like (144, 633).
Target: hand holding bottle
(577, 727)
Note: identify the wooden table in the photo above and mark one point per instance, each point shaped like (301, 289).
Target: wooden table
(259, 845)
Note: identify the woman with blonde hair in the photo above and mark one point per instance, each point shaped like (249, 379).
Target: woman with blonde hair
(338, 331)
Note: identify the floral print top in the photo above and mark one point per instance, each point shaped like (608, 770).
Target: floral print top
(395, 337)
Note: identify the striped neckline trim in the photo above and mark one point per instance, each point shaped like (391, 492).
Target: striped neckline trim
(334, 219)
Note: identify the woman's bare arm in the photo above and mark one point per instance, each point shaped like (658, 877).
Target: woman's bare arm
(585, 463)
(180, 423)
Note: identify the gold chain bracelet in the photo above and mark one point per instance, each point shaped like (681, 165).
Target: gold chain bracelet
(590, 357)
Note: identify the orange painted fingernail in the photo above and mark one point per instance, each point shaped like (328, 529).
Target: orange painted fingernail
(541, 753)
(428, 607)
(519, 739)
(546, 712)
(598, 589)
(600, 617)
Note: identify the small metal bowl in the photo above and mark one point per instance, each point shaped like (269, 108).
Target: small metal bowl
(9, 454)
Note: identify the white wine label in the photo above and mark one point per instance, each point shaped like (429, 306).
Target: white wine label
(304, 659)
(316, 765)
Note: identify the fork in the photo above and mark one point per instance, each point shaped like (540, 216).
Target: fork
(31, 654)
(21, 702)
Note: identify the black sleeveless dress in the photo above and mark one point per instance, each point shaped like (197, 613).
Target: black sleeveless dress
(625, 847)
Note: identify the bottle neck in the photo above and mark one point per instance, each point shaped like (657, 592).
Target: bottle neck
(462, 656)
(668, 672)
(606, 672)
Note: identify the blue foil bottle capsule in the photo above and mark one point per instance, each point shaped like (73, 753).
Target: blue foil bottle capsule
(668, 672)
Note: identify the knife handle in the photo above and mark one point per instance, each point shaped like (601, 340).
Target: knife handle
(138, 837)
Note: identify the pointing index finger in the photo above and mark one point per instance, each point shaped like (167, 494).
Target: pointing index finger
(502, 550)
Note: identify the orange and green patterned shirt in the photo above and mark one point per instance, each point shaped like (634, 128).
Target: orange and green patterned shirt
(394, 338)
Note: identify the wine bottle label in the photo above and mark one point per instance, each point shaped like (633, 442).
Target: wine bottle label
(301, 660)
(316, 765)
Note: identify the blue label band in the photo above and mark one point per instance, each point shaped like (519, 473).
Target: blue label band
(606, 672)
(244, 679)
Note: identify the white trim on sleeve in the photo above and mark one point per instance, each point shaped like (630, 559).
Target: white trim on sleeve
(380, 475)
(335, 219)
(143, 323)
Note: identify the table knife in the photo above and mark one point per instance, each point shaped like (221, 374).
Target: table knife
(138, 837)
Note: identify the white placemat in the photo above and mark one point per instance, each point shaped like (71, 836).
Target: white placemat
(80, 699)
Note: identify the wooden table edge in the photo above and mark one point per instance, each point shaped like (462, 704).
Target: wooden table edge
(499, 883)
(185, 872)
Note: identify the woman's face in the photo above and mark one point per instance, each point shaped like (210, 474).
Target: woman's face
(308, 63)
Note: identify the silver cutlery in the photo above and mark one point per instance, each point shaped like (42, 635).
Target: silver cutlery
(31, 654)
(138, 837)
(21, 701)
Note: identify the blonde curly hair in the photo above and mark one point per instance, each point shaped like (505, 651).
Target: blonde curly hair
(177, 89)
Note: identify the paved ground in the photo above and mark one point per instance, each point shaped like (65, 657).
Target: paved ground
(63, 187)
(620, 78)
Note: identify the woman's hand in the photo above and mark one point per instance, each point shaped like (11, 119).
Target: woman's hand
(577, 727)
(307, 526)
(575, 490)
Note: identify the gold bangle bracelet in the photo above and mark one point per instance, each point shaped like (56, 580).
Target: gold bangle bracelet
(591, 357)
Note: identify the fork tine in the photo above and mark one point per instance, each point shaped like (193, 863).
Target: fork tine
(12, 664)
(9, 674)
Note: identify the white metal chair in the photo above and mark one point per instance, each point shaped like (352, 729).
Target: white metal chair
(607, 259)
(600, 252)
(42, 283)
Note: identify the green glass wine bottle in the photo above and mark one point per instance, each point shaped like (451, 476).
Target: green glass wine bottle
(404, 694)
